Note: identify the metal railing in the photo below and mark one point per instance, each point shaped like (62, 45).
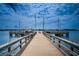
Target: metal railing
(16, 46)
(67, 47)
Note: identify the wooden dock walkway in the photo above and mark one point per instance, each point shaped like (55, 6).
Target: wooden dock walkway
(41, 46)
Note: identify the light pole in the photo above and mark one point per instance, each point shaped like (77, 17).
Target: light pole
(35, 22)
(19, 24)
(43, 23)
(59, 25)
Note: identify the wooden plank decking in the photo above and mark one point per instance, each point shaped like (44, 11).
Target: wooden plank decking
(40, 46)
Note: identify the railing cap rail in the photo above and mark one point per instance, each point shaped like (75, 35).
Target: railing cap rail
(13, 42)
(67, 41)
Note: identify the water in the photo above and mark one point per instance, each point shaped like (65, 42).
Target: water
(73, 36)
(4, 37)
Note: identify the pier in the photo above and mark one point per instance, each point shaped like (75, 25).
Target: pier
(39, 29)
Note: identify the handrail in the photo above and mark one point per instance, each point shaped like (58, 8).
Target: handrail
(9, 44)
(58, 40)
(13, 42)
(67, 41)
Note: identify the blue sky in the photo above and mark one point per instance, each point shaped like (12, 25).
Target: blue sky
(11, 15)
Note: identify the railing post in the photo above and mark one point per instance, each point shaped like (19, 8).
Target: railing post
(9, 49)
(50, 37)
(53, 39)
(28, 37)
(25, 40)
(20, 43)
(59, 43)
(72, 48)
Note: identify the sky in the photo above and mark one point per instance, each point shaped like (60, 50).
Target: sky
(54, 15)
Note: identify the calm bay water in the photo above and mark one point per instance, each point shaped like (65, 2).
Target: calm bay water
(74, 36)
(4, 37)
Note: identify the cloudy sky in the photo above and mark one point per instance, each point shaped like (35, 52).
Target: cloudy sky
(55, 15)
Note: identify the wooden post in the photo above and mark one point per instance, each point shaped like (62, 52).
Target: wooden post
(59, 43)
(20, 43)
(50, 37)
(9, 49)
(53, 40)
(25, 40)
(72, 48)
(28, 37)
